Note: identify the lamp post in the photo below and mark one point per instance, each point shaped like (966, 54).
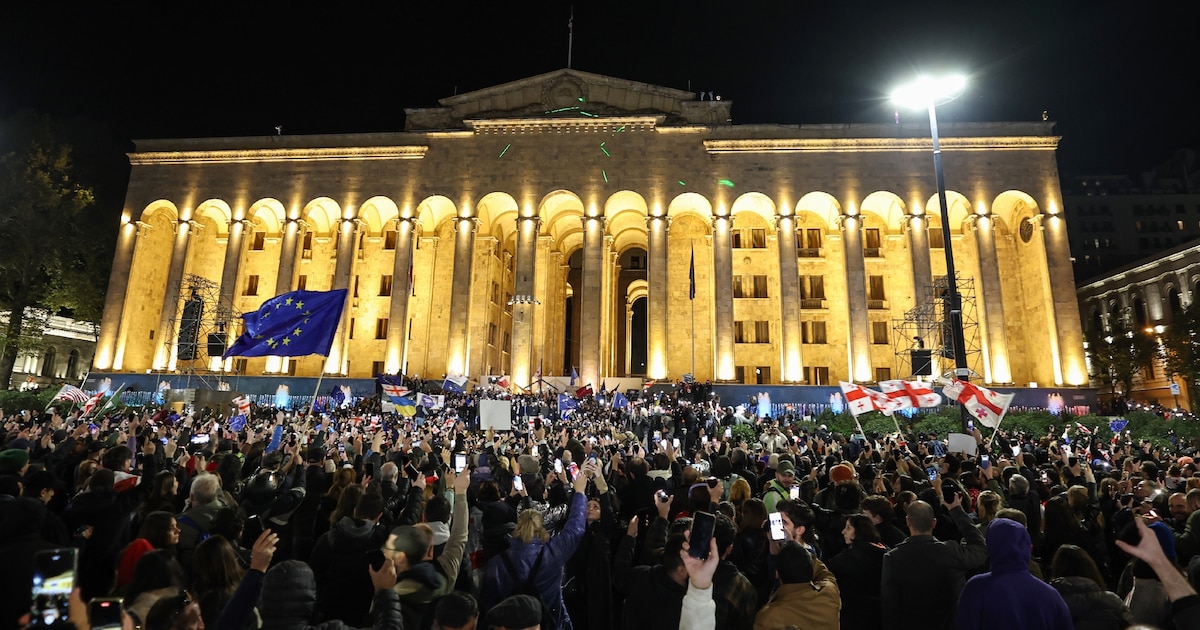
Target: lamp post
(925, 92)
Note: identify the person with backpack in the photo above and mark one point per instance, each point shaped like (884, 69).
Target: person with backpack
(533, 563)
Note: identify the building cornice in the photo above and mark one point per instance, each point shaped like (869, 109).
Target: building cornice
(406, 152)
(605, 124)
(875, 145)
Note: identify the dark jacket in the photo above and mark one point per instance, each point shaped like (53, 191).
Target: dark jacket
(109, 514)
(1031, 505)
(890, 534)
(750, 550)
(652, 599)
(21, 537)
(1092, 608)
(587, 586)
(859, 572)
(289, 600)
(737, 601)
(499, 584)
(339, 561)
(923, 576)
(1009, 596)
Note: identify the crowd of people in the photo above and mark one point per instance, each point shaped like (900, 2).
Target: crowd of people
(358, 518)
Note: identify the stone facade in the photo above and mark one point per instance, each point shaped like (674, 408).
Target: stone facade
(550, 221)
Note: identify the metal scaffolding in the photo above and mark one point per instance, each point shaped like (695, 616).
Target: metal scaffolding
(203, 321)
(926, 327)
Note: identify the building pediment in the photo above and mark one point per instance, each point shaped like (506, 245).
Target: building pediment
(568, 93)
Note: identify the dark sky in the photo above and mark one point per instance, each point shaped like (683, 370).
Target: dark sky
(1117, 77)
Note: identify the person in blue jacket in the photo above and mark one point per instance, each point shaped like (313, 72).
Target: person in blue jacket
(530, 545)
(1009, 596)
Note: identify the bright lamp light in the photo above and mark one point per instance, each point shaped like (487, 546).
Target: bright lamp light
(925, 90)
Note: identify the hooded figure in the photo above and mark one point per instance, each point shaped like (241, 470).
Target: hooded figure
(289, 601)
(1009, 596)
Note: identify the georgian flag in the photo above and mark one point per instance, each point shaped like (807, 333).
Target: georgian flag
(910, 394)
(860, 400)
(243, 405)
(986, 405)
(394, 391)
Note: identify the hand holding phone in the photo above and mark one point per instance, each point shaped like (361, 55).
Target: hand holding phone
(53, 581)
(775, 525)
(518, 484)
(460, 462)
(703, 525)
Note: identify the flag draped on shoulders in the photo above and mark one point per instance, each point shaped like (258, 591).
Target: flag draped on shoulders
(293, 324)
(986, 405)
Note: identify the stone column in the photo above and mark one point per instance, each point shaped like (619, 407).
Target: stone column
(165, 337)
(397, 334)
(990, 290)
(628, 337)
(524, 300)
(233, 260)
(114, 300)
(543, 311)
(917, 227)
(722, 256)
(285, 277)
(858, 330)
(656, 300)
(460, 294)
(1066, 330)
(789, 298)
(591, 300)
(336, 362)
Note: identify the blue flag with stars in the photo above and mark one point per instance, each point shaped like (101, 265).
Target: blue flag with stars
(293, 324)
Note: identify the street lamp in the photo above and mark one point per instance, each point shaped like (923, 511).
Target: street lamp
(926, 92)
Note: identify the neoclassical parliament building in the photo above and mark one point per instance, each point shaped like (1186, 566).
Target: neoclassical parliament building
(624, 229)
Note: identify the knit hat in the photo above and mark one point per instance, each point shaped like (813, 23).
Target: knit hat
(786, 468)
(528, 464)
(773, 461)
(1165, 538)
(13, 460)
(841, 473)
(518, 611)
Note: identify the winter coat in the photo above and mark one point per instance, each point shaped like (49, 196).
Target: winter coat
(807, 605)
(923, 576)
(859, 572)
(109, 514)
(1092, 608)
(339, 562)
(289, 601)
(499, 584)
(1009, 596)
(750, 550)
(652, 599)
(587, 589)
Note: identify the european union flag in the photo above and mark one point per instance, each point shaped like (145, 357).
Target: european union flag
(620, 401)
(566, 404)
(293, 324)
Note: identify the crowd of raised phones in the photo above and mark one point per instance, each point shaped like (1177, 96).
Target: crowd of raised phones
(652, 517)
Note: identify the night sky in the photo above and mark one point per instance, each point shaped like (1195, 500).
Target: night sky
(1118, 81)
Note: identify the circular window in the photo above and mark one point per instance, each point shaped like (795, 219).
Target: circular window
(1026, 230)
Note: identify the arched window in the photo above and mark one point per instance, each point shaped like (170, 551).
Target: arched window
(1097, 321)
(1140, 319)
(73, 365)
(48, 361)
(1174, 302)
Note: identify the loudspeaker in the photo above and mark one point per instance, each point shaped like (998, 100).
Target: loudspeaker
(921, 362)
(189, 329)
(216, 344)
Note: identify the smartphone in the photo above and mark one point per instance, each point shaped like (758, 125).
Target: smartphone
(104, 613)
(411, 471)
(970, 425)
(675, 443)
(704, 439)
(703, 524)
(794, 492)
(1016, 450)
(518, 484)
(341, 447)
(775, 521)
(728, 432)
(658, 436)
(53, 581)
(369, 470)
(164, 441)
(948, 491)
(932, 472)
(573, 470)
(460, 462)
(200, 438)
(534, 452)
(662, 496)
(558, 466)
(1072, 461)
(985, 462)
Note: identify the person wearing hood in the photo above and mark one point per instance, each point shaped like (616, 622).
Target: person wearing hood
(289, 599)
(343, 588)
(1009, 596)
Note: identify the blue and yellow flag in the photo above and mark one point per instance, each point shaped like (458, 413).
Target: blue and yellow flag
(294, 324)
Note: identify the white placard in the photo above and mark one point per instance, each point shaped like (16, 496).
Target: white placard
(962, 443)
(495, 414)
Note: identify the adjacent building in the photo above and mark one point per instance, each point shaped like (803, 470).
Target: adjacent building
(577, 221)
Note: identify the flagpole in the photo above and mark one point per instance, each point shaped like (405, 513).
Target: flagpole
(692, 301)
(318, 388)
(570, 35)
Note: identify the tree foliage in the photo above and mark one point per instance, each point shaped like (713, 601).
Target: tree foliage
(1180, 349)
(45, 255)
(1118, 353)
